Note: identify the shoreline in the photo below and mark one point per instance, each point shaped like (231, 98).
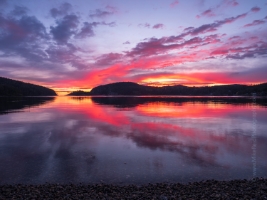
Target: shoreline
(209, 189)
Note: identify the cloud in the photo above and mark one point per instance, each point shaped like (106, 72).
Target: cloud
(160, 46)
(3, 3)
(255, 9)
(127, 42)
(19, 11)
(61, 54)
(52, 55)
(26, 37)
(244, 75)
(231, 3)
(255, 23)
(22, 36)
(86, 30)
(61, 11)
(108, 59)
(158, 26)
(189, 28)
(110, 24)
(213, 26)
(207, 13)
(65, 28)
(250, 51)
(234, 37)
(98, 13)
(212, 12)
(112, 9)
(145, 25)
(174, 3)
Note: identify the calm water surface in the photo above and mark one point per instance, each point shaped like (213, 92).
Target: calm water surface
(127, 140)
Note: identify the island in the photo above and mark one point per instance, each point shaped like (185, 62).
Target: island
(9, 87)
(134, 89)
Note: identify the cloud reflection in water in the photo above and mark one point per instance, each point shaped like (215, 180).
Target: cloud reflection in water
(132, 140)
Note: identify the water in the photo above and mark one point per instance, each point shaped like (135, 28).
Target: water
(131, 140)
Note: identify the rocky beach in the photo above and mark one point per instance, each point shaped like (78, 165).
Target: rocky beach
(210, 189)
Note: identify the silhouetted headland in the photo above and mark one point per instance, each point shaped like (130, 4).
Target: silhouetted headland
(134, 89)
(9, 87)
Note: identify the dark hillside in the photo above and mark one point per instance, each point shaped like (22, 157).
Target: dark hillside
(9, 87)
(134, 89)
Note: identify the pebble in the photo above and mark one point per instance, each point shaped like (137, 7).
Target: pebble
(210, 189)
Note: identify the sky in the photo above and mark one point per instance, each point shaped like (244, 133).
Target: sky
(80, 44)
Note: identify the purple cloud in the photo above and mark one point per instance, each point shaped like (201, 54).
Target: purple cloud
(61, 11)
(234, 37)
(146, 25)
(213, 27)
(98, 13)
(127, 42)
(19, 11)
(255, 23)
(3, 2)
(65, 28)
(157, 26)
(189, 28)
(255, 9)
(258, 49)
(157, 46)
(160, 46)
(86, 30)
(21, 36)
(108, 59)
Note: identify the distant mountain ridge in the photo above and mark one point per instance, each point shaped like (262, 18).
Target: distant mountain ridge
(134, 89)
(9, 87)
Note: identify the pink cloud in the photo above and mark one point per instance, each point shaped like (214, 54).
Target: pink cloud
(112, 9)
(231, 3)
(175, 3)
(206, 13)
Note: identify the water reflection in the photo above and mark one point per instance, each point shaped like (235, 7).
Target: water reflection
(133, 140)
(15, 104)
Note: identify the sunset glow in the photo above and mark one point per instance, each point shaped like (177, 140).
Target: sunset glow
(77, 45)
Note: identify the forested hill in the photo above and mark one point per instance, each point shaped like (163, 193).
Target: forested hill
(129, 88)
(9, 87)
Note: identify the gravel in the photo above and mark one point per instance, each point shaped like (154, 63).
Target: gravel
(210, 189)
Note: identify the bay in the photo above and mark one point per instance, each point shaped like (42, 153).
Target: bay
(132, 140)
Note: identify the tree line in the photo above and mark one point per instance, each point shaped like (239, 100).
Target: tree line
(9, 87)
